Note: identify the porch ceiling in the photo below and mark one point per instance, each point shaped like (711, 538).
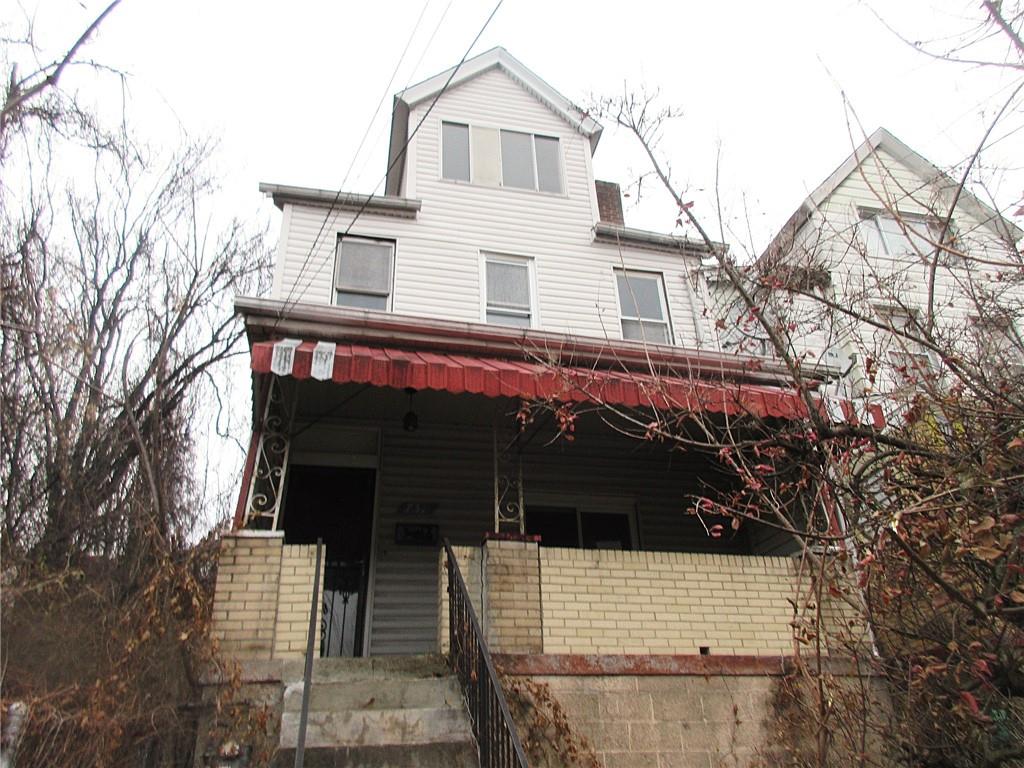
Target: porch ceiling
(528, 379)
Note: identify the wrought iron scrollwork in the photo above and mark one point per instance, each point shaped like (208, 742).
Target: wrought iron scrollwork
(266, 488)
(509, 509)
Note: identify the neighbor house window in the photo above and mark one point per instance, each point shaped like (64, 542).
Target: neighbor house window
(363, 273)
(999, 345)
(493, 157)
(909, 358)
(906, 236)
(508, 288)
(643, 307)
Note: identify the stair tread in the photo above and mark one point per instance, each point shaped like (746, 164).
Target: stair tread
(405, 726)
(375, 694)
(461, 754)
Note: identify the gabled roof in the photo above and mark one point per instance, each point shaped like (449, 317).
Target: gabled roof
(930, 173)
(495, 58)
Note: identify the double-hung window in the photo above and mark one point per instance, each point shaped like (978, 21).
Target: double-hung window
(363, 273)
(643, 307)
(508, 286)
(908, 357)
(908, 236)
(493, 157)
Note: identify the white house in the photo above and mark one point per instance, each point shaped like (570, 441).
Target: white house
(390, 365)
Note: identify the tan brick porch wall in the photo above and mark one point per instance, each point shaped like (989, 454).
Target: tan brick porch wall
(263, 595)
(291, 630)
(604, 601)
(513, 573)
(245, 601)
(469, 565)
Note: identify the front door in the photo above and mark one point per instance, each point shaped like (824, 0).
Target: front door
(335, 504)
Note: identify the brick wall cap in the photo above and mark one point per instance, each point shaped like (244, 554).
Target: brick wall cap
(533, 538)
(250, 534)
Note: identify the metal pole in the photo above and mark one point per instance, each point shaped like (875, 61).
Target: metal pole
(307, 673)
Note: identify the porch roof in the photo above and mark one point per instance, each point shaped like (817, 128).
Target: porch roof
(387, 366)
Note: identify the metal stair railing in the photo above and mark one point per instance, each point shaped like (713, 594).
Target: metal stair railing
(493, 727)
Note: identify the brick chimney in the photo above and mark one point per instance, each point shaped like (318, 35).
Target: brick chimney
(609, 202)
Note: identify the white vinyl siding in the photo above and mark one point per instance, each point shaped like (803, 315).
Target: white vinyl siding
(437, 269)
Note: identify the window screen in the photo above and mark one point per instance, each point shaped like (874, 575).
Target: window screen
(508, 292)
(363, 275)
(455, 151)
(642, 308)
(549, 170)
(517, 160)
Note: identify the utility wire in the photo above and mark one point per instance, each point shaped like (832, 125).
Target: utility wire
(355, 155)
(408, 82)
(289, 304)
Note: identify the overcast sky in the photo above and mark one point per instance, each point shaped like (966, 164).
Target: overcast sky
(289, 89)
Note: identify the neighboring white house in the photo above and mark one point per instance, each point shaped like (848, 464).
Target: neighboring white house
(874, 256)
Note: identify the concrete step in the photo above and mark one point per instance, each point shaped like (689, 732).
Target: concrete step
(371, 668)
(461, 754)
(376, 694)
(378, 727)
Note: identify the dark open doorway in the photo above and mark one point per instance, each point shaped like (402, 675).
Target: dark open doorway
(335, 504)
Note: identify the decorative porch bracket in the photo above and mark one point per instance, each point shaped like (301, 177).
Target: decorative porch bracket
(266, 488)
(509, 509)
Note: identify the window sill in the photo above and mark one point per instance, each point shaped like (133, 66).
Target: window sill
(540, 192)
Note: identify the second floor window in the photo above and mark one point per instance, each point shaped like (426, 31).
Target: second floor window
(491, 157)
(508, 287)
(363, 273)
(643, 307)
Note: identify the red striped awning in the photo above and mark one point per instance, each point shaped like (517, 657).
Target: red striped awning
(495, 377)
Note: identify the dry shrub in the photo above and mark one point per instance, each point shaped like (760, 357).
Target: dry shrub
(109, 671)
(547, 735)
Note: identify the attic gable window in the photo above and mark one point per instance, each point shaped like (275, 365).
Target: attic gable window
(493, 157)
(363, 273)
(455, 151)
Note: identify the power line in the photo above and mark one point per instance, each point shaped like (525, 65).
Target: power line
(398, 156)
(412, 73)
(355, 155)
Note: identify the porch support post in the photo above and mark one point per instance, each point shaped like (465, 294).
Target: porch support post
(270, 463)
(509, 506)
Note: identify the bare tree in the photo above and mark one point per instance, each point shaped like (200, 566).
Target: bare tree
(116, 278)
(909, 534)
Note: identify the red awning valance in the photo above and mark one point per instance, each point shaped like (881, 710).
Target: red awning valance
(494, 377)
